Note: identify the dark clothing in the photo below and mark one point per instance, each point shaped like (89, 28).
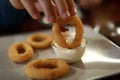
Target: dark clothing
(10, 18)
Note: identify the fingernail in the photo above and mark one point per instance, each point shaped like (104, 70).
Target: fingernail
(65, 15)
(36, 16)
(73, 11)
(51, 19)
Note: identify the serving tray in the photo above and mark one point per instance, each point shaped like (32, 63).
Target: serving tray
(101, 58)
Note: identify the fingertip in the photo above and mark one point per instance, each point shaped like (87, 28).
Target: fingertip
(51, 19)
(35, 16)
(73, 11)
(65, 15)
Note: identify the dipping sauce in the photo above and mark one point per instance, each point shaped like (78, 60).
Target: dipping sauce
(70, 55)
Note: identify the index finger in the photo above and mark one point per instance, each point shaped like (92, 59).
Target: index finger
(71, 7)
(62, 8)
(30, 7)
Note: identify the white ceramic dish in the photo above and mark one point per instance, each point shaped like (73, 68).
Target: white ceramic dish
(70, 55)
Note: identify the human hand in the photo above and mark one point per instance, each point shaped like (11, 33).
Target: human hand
(51, 8)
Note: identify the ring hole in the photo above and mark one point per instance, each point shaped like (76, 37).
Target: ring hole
(66, 25)
(36, 39)
(43, 65)
(68, 32)
(21, 49)
(69, 27)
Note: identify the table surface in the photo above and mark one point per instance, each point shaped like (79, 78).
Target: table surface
(101, 58)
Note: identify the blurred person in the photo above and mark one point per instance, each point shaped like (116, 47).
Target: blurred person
(103, 16)
(89, 4)
(101, 11)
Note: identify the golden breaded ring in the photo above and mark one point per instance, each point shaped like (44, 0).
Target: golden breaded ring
(40, 40)
(20, 52)
(47, 68)
(58, 28)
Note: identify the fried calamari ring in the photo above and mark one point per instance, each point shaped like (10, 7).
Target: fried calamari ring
(40, 40)
(58, 28)
(47, 68)
(20, 52)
